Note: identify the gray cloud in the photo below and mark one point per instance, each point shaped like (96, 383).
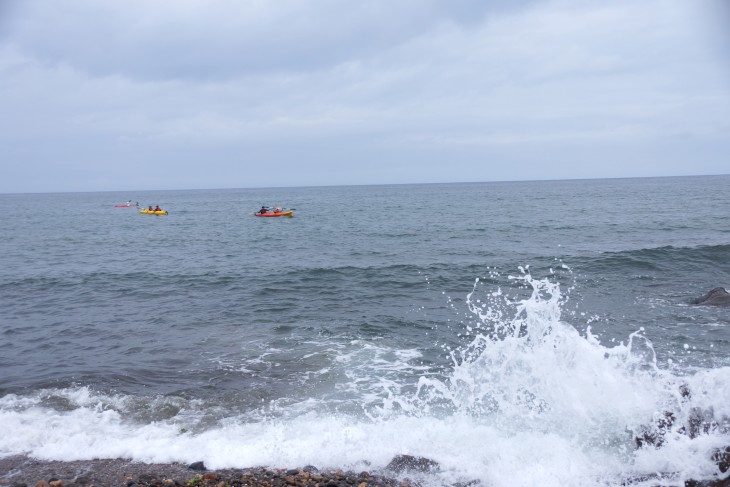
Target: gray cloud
(91, 93)
(224, 38)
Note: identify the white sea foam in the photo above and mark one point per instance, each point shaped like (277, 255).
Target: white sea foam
(529, 401)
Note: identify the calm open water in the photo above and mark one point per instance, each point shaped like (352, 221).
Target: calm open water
(516, 333)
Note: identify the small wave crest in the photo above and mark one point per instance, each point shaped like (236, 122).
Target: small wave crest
(666, 257)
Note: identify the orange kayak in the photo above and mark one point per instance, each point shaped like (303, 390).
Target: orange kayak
(275, 213)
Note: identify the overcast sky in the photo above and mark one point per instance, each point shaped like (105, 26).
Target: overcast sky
(102, 95)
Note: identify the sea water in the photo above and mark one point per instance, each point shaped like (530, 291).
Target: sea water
(515, 333)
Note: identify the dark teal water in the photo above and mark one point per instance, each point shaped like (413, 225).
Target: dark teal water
(364, 286)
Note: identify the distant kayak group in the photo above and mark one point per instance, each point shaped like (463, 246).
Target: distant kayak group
(265, 211)
(145, 211)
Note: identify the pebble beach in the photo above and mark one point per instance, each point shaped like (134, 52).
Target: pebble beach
(19, 471)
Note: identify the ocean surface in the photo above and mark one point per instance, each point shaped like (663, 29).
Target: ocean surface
(517, 333)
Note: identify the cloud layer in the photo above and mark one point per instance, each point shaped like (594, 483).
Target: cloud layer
(188, 94)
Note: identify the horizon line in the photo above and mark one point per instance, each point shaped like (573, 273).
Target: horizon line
(370, 184)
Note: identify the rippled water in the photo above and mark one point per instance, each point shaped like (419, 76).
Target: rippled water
(351, 319)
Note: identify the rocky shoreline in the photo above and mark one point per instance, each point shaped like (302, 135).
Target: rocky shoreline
(403, 471)
(19, 471)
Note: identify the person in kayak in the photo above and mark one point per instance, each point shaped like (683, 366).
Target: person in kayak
(150, 208)
(263, 210)
(158, 208)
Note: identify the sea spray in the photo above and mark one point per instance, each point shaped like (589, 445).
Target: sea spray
(530, 375)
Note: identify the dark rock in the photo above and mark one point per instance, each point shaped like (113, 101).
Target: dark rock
(310, 469)
(292, 471)
(403, 463)
(654, 434)
(722, 457)
(716, 297)
(19, 484)
(146, 477)
(707, 483)
(197, 466)
(699, 422)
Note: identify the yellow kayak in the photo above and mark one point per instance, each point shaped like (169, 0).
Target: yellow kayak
(153, 212)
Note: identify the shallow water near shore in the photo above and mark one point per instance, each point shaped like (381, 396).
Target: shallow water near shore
(516, 333)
